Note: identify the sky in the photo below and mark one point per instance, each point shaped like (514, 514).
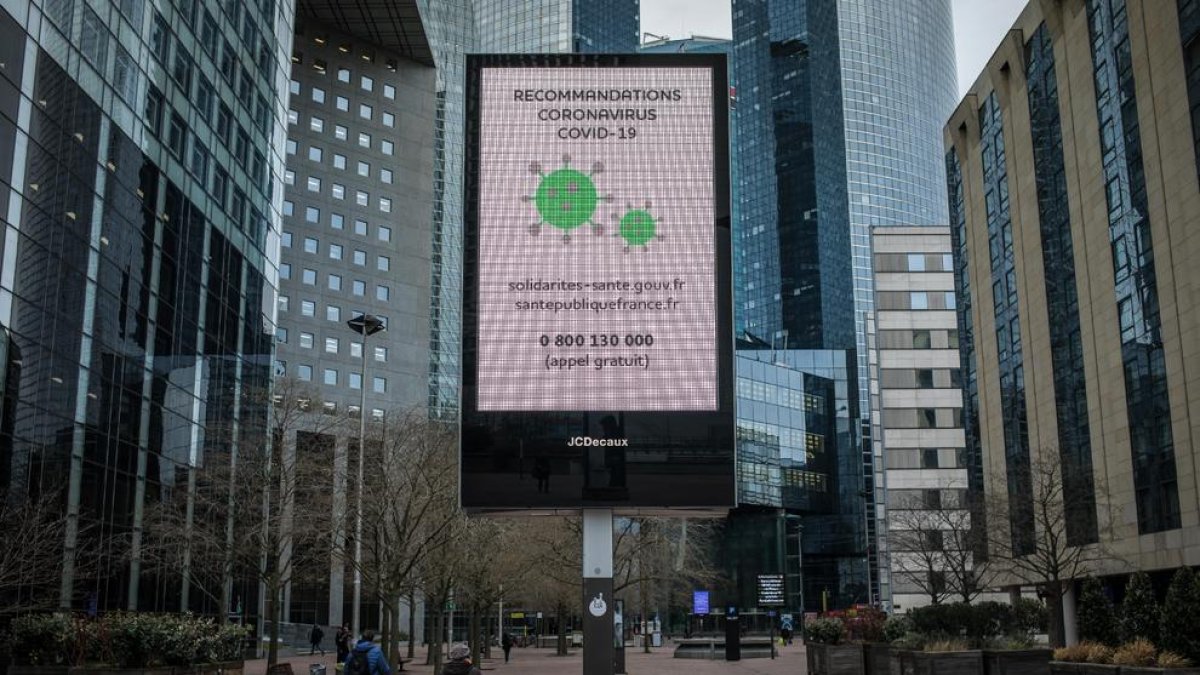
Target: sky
(979, 25)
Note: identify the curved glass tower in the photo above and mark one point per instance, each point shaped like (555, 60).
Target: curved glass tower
(839, 107)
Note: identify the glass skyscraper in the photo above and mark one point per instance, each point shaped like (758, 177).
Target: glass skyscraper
(141, 154)
(838, 107)
(456, 28)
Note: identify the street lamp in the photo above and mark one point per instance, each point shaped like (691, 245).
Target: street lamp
(365, 325)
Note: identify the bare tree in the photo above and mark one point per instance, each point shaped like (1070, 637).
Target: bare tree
(933, 548)
(409, 509)
(39, 524)
(260, 512)
(1043, 557)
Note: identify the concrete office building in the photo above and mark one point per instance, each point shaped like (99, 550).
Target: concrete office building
(916, 365)
(1072, 175)
(140, 154)
(358, 193)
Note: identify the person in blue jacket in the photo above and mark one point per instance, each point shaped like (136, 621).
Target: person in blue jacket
(367, 658)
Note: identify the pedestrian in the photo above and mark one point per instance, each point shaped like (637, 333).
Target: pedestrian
(460, 662)
(367, 658)
(314, 638)
(342, 639)
(506, 643)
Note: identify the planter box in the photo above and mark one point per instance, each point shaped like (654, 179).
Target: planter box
(877, 657)
(941, 663)
(1068, 668)
(1132, 670)
(1016, 661)
(834, 659)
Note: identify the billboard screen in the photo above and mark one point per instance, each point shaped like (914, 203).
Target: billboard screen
(596, 280)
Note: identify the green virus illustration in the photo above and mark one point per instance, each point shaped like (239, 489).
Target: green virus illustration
(637, 227)
(566, 198)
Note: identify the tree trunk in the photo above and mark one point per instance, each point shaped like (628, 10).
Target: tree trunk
(412, 623)
(272, 614)
(385, 631)
(562, 630)
(1056, 630)
(473, 637)
(394, 653)
(435, 644)
(645, 616)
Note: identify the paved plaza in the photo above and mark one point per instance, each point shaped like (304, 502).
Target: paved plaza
(531, 661)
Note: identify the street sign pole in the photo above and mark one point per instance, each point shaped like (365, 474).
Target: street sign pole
(598, 650)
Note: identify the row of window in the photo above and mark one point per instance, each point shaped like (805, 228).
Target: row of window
(333, 345)
(327, 407)
(312, 245)
(926, 458)
(920, 378)
(337, 222)
(914, 262)
(341, 133)
(893, 300)
(922, 418)
(309, 308)
(918, 339)
(332, 376)
(358, 287)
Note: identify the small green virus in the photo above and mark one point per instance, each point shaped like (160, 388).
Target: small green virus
(566, 198)
(638, 227)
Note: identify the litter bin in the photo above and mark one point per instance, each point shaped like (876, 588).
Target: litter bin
(316, 669)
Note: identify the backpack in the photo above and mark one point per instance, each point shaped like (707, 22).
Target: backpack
(359, 664)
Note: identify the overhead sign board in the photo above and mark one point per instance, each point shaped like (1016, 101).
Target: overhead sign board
(597, 334)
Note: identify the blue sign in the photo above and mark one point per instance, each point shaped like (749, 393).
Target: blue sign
(699, 602)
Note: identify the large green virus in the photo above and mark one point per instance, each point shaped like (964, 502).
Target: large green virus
(566, 198)
(638, 227)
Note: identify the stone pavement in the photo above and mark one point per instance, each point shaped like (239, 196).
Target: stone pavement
(531, 661)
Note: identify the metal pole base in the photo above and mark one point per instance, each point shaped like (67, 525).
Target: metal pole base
(598, 603)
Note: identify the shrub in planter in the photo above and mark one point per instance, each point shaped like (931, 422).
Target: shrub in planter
(1172, 660)
(985, 620)
(1029, 616)
(1085, 652)
(43, 639)
(1140, 653)
(866, 625)
(825, 631)
(935, 620)
(1180, 616)
(897, 627)
(1097, 616)
(1139, 611)
(911, 641)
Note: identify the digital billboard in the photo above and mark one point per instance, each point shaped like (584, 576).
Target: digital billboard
(596, 309)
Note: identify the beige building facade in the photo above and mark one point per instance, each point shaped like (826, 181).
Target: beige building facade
(1074, 210)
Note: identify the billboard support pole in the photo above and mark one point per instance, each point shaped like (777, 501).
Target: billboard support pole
(598, 603)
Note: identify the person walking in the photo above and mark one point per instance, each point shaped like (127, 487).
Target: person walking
(460, 662)
(367, 658)
(342, 640)
(506, 643)
(314, 638)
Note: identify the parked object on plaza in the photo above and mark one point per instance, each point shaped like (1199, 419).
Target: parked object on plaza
(460, 662)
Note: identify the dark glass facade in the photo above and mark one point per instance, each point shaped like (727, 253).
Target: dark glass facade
(1189, 35)
(797, 433)
(1062, 301)
(1002, 261)
(136, 293)
(966, 348)
(1146, 394)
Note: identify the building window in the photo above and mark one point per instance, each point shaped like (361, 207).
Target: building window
(364, 140)
(331, 345)
(282, 303)
(381, 354)
(383, 263)
(387, 147)
(318, 95)
(382, 293)
(333, 313)
(331, 377)
(918, 300)
(367, 83)
(389, 120)
(315, 154)
(361, 198)
(335, 282)
(365, 111)
(336, 220)
(355, 380)
(385, 176)
(335, 251)
(308, 308)
(309, 277)
(314, 184)
(339, 161)
(343, 104)
(389, 92)
(281, 335)
(306, 340)
(385, 204)
(310, 245)
(340, 132)
(285, 271)
(343, 75)
(379, 385)
(312, 214)
(360, 227)
(304, 373)
(293, 116)
(359, 287)
(339, 191)
(316, 124)
(289, 178)
(286, 237)
(384, 233)
(360, 257)
(364, 169)
(916, 262)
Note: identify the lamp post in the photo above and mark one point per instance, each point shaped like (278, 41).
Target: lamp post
(365, 325)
